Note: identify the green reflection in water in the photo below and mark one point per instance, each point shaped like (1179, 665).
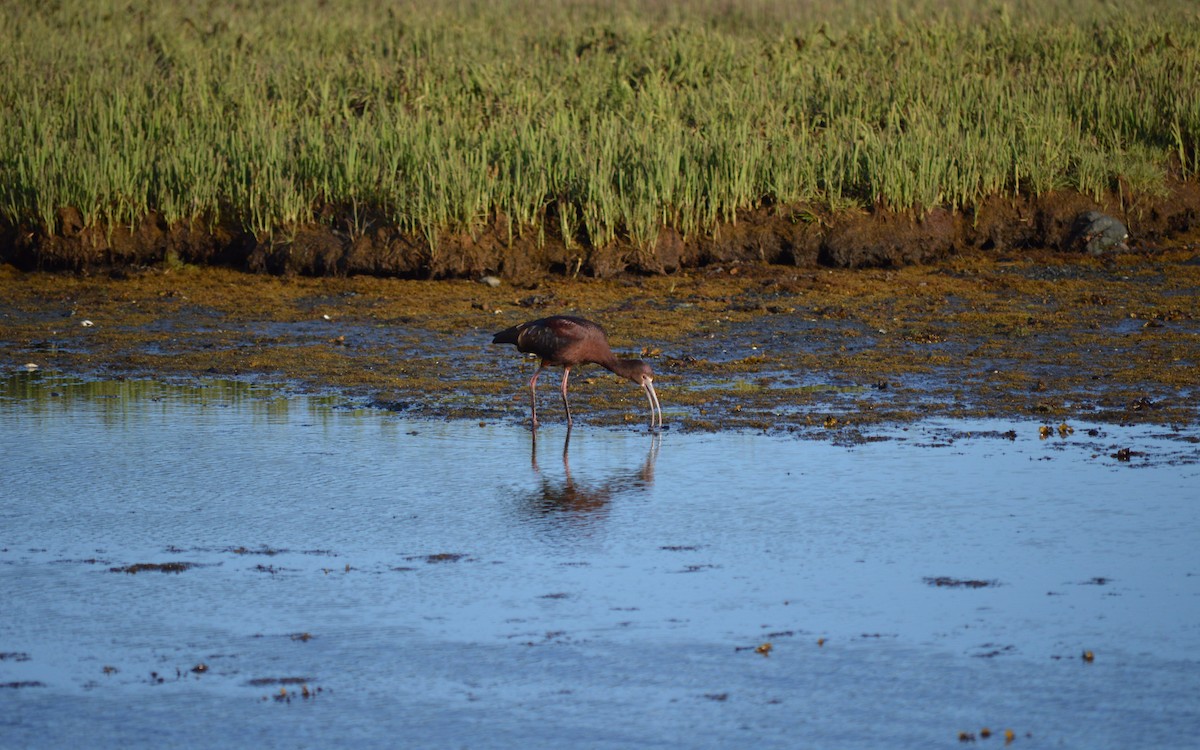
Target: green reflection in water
(40, 393)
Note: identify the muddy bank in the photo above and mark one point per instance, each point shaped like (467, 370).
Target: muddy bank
(799, 236)
(1042, 335)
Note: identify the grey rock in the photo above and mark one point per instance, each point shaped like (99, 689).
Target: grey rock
(1099, 233)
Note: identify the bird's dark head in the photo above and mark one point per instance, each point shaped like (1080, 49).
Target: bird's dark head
(640, 373)
(637, 371)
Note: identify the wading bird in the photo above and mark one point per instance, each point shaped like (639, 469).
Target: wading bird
(566, 341)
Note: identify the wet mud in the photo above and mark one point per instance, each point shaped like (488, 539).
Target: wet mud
(814, 351)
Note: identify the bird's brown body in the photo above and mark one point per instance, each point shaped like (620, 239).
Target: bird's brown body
(567, 341)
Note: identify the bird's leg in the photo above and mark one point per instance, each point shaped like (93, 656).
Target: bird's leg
(566, 374)
(533, 397)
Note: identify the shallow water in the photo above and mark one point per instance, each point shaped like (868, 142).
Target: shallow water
(460, 584)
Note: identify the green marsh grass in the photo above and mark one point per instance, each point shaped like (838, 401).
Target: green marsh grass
(594, 121)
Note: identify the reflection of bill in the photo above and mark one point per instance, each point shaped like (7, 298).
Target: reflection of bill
(569, 496)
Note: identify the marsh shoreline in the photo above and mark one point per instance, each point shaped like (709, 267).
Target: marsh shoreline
(800, 236)
(1035, 335)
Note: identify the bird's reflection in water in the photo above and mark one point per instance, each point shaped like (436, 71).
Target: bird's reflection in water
(585, 502)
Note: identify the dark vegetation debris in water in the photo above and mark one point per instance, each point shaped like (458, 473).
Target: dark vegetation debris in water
(1126, 454)
(958, 583)
(444, 557)
(263, 681)
(264, 550)
(171, 567)
(14, 656)
(284, 695)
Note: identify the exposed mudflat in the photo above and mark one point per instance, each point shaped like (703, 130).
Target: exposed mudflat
(1052, 336)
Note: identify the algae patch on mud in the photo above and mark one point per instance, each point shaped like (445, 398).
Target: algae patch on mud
(760, 347)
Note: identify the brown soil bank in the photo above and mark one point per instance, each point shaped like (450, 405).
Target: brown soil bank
(797, 236)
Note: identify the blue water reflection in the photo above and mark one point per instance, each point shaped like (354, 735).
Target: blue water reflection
(566, 508)
(473, 584)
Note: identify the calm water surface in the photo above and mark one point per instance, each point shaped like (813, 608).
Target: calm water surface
(461, 585)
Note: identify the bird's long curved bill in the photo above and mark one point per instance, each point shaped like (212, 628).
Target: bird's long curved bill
(655, 408)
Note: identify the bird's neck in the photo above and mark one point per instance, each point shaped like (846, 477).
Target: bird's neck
(626, 368)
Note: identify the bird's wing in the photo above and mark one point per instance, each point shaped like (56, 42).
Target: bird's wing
(550, 337)
(570, 327)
